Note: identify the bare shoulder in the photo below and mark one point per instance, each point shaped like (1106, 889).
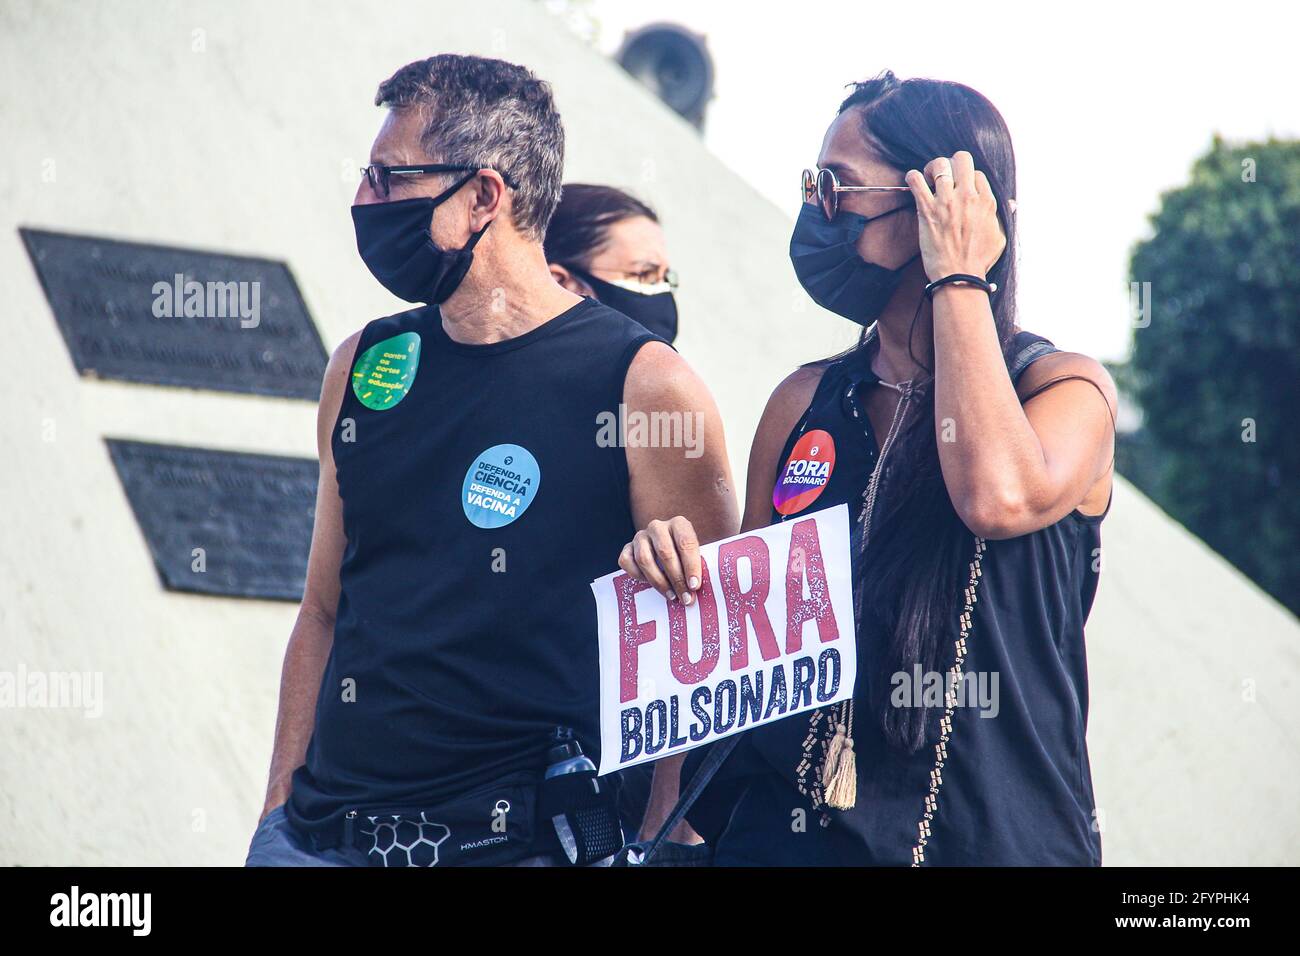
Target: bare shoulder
(787, 403)
(793, 393)
(336, 371)
(659, 376)
(785, 406)
(1069, 365)
(341, 358)
(334, 386)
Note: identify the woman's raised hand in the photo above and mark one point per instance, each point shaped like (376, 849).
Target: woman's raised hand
(958, 220)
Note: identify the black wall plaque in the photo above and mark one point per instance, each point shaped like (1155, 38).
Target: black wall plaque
(251, 515)
(170, 316)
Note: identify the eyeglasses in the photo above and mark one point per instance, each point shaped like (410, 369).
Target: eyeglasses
(654, 277)
(379, 176)
(824, 186)
(651, 276)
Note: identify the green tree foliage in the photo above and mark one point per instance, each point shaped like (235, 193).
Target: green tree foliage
(1216, 373)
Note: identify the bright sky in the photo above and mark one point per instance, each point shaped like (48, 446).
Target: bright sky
(1108, 104)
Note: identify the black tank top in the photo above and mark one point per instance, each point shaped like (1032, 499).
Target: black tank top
(478, 505)
(1013, 789)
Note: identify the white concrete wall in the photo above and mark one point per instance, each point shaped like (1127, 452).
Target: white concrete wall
(249, 144)
(1195, 683)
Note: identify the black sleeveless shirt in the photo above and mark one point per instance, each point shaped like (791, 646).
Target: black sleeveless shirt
(1012, 788)
(478, 504)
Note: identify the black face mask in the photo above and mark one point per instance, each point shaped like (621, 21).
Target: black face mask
(826, 260)
(656, 311)
(394, 242)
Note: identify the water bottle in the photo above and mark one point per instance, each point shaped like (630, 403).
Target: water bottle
(566, 756)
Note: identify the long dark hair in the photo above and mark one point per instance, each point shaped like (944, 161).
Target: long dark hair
(582, 220)
(914, 571)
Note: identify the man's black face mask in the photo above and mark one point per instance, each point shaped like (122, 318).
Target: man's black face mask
(394, 242)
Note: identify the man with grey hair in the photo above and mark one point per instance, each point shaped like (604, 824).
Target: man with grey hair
(446, 642)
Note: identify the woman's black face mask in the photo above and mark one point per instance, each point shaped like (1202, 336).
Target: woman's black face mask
(826, 261)
(394, 242)
(656, 311)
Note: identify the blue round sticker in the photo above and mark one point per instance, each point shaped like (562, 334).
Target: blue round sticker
(500, 485)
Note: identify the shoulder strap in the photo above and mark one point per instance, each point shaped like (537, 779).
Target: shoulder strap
(1029, 349)
(712, 764)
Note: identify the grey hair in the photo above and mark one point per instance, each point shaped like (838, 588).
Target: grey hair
(492, 114)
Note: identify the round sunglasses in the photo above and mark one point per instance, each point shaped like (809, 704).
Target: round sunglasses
(825, 187)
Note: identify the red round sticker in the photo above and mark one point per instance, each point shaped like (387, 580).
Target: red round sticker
(806, 473)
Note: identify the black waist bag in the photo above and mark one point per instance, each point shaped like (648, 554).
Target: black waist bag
(492, 826)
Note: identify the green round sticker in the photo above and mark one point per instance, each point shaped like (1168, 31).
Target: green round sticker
(385, 372)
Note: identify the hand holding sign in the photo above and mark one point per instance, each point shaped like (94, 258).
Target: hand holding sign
(666, 555)
(771, 634)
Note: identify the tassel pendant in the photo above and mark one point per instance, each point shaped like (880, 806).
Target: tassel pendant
(840, 771)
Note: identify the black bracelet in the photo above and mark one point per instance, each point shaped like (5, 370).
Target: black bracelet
(989, 287)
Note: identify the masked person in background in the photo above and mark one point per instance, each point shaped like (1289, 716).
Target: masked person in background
(607, 244)
(465, 503)
(977, 461)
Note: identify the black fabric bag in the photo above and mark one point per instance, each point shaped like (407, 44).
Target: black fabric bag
(490, 827)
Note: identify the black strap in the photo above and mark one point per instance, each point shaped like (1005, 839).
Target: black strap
(712, 764)
(964, 278)
(1035, 348)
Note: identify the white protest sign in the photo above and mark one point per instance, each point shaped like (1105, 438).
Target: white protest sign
(771, 635)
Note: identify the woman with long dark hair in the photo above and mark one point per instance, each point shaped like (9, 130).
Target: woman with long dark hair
(976, 460)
